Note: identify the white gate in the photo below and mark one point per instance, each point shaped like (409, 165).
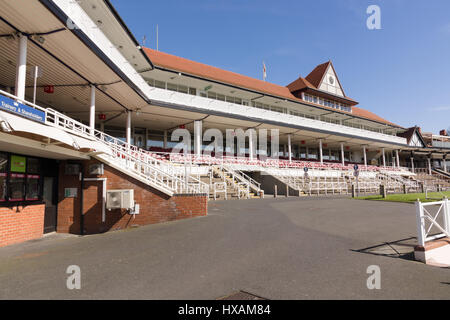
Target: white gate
(427, 218)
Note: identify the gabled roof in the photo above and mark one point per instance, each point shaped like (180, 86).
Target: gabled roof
(170, 62)
(409, 134)
(316, 76)
(314, 80)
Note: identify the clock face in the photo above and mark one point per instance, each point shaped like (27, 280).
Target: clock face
(331, 80)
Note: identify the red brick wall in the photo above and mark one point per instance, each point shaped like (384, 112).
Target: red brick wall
(18, 224)
(155, 206)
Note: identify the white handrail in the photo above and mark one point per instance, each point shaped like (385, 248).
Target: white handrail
(142, 160)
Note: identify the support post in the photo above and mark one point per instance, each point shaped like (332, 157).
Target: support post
(198, 138)
(165, 140)
(21, 72)
(342, 154)
(250, 144)
(290, 147)
(429, 166)
(128, 127)
(384, 158)
(321, 151)
(398, 158)
(92, 110)
(365, 156)
(412, 165)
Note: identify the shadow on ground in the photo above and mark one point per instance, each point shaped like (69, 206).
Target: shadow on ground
(400, 249)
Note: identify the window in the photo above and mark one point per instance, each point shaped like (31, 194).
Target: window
(193, 91)
(172, 87)
(32, 187)
(33, 166)
(17, 187)
(182, 89)
(160, 84)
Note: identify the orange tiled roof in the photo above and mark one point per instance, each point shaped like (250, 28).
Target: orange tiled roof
(317, 74)
(179, 64)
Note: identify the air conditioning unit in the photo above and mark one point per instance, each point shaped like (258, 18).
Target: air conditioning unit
(120, 199)
(96, 169)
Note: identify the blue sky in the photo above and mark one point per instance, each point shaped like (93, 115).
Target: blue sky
(401, 72)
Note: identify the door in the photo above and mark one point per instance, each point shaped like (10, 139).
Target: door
(139, 141)
(50, 204)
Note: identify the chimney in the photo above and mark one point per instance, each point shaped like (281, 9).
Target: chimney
(443, 133)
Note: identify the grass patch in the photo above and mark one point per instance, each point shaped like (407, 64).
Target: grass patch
(409, 198)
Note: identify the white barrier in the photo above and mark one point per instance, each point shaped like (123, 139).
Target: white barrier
(424, 215)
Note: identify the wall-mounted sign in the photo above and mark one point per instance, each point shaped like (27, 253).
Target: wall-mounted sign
(10, 105)
(49, 89)
(70, 192)
(208, 88)
(102, 116)
(18, 164)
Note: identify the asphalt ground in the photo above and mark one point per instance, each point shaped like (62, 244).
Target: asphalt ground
(294, 248)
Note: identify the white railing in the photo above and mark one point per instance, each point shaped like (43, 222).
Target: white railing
(220, 187)
(424, 215)
(237, 182)
(244, 178)
(157, 173)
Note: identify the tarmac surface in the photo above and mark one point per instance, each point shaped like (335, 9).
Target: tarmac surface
(287, 248)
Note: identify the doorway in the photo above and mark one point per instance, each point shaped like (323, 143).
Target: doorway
(140, 138)
(50, 195)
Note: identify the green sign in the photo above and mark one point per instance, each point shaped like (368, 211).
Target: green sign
(208, 88)
(18, 164)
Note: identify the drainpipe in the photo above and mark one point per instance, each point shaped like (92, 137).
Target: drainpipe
(81, 200)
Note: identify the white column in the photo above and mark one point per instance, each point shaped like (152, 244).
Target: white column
(342, 154)
(290, 147)
(128, 128)
(165, 140)
(365, 156)
(21, 72)
(102, 126)
(320, 151)
(429, 166)
(384, 158)
(398, 158)
(250, 144)
(92, 110)
(198, 138)
(412, 164)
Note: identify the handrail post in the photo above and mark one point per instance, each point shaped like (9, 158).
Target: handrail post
(420, 223)
(446, 215)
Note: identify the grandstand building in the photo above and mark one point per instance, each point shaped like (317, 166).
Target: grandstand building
(89, 118)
